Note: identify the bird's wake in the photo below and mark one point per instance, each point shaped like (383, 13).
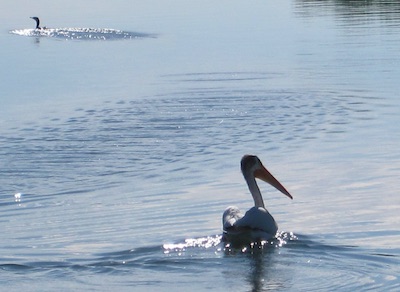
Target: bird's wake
(81, 33)
(217, 244)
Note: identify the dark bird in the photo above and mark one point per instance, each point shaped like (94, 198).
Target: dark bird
(37, 22)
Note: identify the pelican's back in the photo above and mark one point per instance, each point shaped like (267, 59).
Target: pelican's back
(258, 219)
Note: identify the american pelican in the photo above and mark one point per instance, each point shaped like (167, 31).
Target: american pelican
(257, 224)
(37, 22)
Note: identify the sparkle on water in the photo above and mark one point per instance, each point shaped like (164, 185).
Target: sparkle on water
(81, 33)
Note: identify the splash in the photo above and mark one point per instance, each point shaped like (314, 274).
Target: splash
(217, 244)
(202, 242)
(280, 240)
(18, 197)
(81, 33)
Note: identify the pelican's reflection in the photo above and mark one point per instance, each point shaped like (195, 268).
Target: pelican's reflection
(257, 273)
(264, 273)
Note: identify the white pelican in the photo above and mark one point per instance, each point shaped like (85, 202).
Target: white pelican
(257, 224)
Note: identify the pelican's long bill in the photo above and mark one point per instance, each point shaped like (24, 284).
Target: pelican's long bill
(263, 174)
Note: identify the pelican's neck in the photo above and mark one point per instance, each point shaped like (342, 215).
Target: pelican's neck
(254, 189)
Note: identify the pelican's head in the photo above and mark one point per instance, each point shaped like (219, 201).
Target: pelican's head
(252, 167)
(37, 21)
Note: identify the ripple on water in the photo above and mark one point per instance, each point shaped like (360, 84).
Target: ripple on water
(294, 262)
(191, 125)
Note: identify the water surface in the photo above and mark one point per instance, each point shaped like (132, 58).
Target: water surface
(119, 157)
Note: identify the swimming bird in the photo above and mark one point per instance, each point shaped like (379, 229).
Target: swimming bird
(37, 22)
(257, 224)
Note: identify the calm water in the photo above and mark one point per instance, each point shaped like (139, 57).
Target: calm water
(118, 157)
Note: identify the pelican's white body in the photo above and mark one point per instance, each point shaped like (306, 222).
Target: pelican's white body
(256, 224)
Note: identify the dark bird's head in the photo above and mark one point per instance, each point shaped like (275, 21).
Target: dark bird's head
(37, 21)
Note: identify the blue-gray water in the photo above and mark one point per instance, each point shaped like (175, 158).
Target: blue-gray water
(119, 155)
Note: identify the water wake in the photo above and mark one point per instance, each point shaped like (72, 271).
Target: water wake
(81, 33)
(270, 264)
(217, 242)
